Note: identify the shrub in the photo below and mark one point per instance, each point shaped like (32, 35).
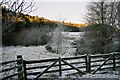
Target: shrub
(49, 48)
(97, 39)
(26, 37)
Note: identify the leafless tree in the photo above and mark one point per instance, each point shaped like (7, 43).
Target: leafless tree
(0, 28)
(104, 12)
(96, 12)
(57, 39)
(18, 7)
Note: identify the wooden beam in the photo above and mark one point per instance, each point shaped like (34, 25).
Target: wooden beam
(60, 71)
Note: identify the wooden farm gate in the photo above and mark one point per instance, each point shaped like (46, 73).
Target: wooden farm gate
(81, 64)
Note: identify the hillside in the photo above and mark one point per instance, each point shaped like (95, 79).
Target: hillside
(20, 21)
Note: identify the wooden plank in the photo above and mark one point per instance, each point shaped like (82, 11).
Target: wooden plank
(11, 68)
(106, 68)
(116, 53)
(36, 67)
(33, 73)
(7, 77)
(117, 62)
(97, 60)
(117, 66)
(57, 70)
(95, 65)
(100, 55)
(7, 62)
(40, 61)
(75, 57)
(104, 55)
(117, 57)
(41, 73)
(48, 60)
(44, 66)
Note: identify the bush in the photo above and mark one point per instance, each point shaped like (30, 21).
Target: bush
(80, 46)
(26, 37)
(97, 39)
(49, 48)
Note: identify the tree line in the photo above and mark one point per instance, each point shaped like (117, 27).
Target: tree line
(12, 23)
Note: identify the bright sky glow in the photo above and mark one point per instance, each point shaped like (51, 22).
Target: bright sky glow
(67, 10)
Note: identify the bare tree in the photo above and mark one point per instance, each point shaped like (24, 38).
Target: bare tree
(0, 28)
(118, 13)
(17, 7)
(97, 12)
(103, 12)
(57, 39)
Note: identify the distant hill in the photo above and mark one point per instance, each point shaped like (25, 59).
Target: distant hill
(27, 21)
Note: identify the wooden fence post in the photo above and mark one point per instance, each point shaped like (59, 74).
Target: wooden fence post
(60, 71)
(20, 69)
(113, 57)
(24, 66)
(89, 59)
(88, 63)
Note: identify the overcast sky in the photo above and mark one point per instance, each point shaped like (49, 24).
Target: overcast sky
(63, 10)
(67, 11)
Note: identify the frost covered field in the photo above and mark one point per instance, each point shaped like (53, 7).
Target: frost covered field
(39, 52)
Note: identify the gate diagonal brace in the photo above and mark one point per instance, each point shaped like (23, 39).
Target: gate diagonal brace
(101, 64)
(73, 66)
(41, 73)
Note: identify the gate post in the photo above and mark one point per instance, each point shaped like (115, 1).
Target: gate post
(113, 57)
(20, 69)
(88, 63)
(24, 66)
(60, 71)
